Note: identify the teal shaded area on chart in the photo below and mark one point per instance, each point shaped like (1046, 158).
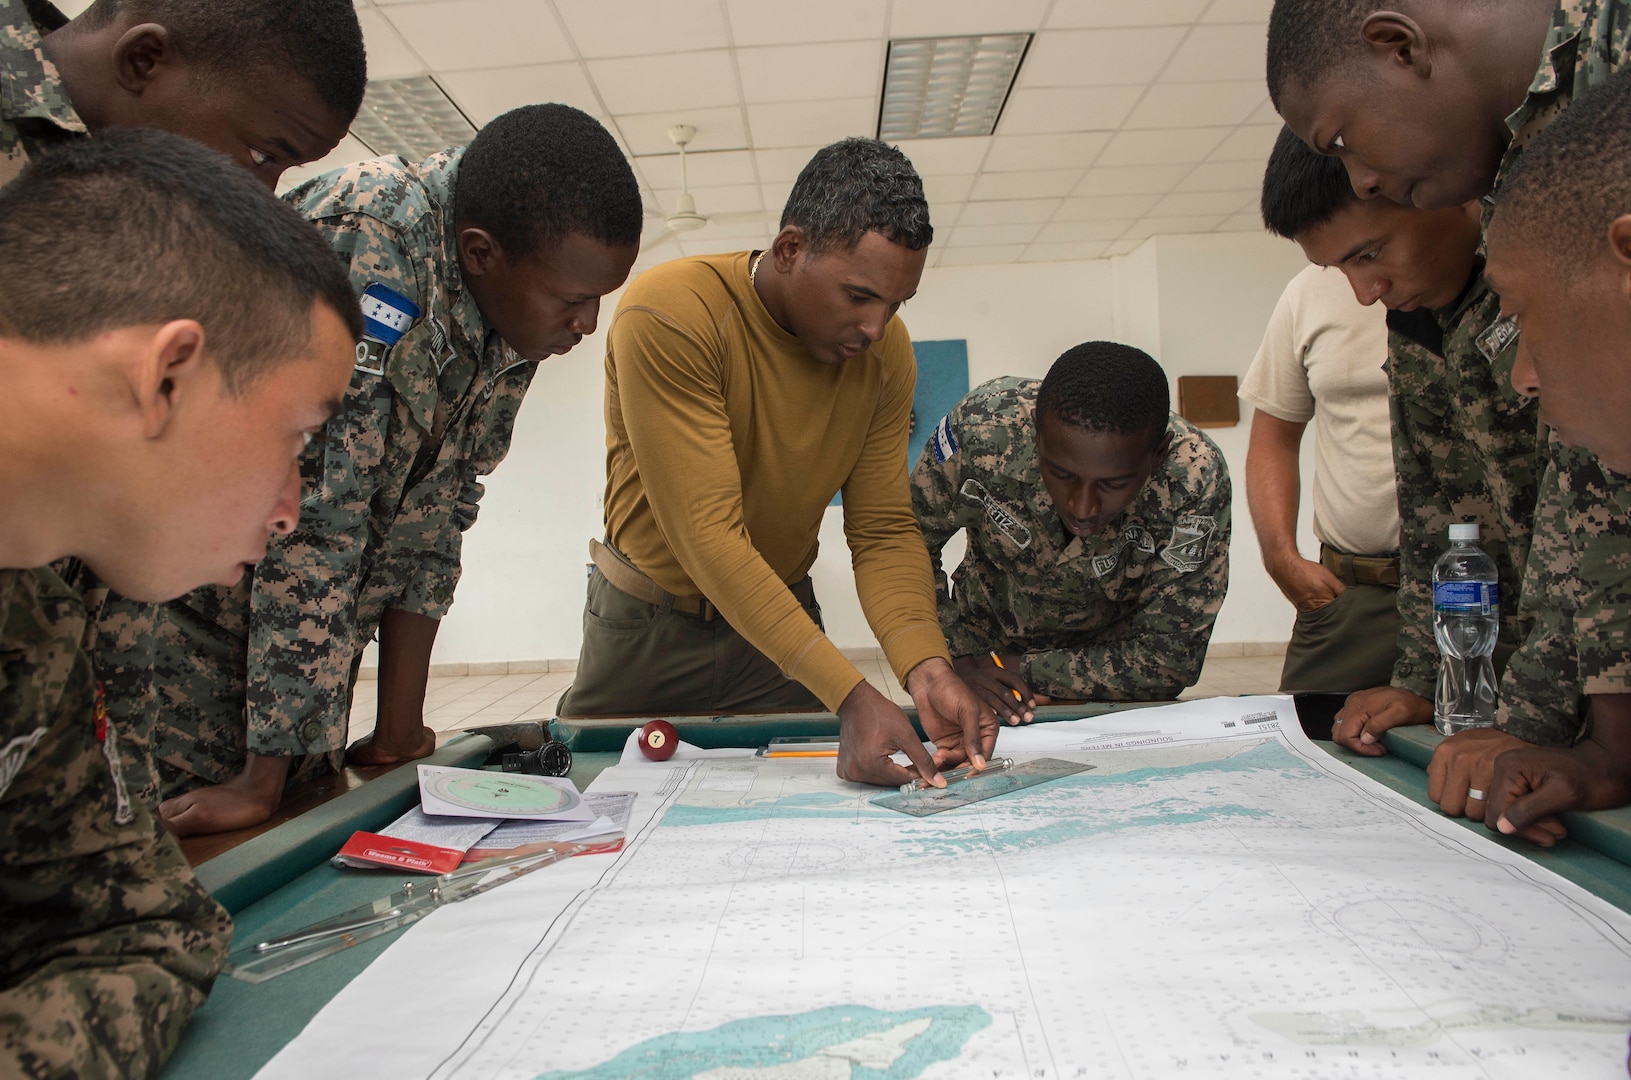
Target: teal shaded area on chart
(869, 1040)
(1056, 805)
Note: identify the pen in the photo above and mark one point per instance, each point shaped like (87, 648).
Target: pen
(967, 772)
(995, 659)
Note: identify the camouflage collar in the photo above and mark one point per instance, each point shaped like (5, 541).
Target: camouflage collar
(30, 86)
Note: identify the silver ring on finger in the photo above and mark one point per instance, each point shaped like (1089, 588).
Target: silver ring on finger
(1476, 795)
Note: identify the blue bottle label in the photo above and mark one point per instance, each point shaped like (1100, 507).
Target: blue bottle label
(1467, 597)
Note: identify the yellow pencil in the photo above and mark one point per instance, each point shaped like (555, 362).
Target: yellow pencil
(995, 659)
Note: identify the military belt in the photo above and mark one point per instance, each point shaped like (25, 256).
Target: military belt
(627, 578)
(1361, 569)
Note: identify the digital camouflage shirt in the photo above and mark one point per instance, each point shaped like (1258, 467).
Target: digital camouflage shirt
(107, 942)
(1578, 578)
(1466, 447)
(390, 489)
(35, 113)
(1125, 615)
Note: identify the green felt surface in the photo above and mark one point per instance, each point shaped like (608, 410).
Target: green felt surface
(242, 1026)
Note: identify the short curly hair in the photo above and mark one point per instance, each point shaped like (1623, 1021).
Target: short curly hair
(537, 173)
(1104, 386)
(854, 187)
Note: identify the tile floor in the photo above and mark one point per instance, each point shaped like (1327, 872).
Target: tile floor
(453, 704)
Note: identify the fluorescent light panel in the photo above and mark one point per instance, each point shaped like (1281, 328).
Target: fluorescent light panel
(413, 117)
(937, 88)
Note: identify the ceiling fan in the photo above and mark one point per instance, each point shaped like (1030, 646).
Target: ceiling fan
(685, 218)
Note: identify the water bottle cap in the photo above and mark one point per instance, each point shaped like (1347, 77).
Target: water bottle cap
(1464, 531)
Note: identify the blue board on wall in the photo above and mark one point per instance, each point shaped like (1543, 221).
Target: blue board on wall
(942, 381)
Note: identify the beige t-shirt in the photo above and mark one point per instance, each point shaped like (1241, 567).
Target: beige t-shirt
(1321, 360)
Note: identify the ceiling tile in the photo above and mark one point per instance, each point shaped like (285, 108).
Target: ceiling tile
(1251, 143)
(1219, 53)
(1012, 212)
(945, 157)
(981, 256)
(1173, 226)
(991, 235)
(1196, 204)
(705, 242)
(1099, 57)
(388, 55)
(1242, 223)
(783, 164)
(717, 129)
(694, 80)
(1081, 232)
(1096, 13)
(1239, 11)
(1224, 176)
(1125, 246)
(1063, 109)
(1265, 114)
(727, 199)
(774, 196)
(452, 35)
(486, 94)
(1183, 105)
(801, 123)
(705, 170)
(642, 28)
(1099, 207)
(1037, 184)
(788, 22)
(742, 232)
(1134, 180)
(932, 18)
(1012, 153)
(811, 72)
(1063, 252)
(943, 190)
(1172, 146)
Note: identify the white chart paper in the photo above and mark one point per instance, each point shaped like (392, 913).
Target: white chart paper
(1217, 896)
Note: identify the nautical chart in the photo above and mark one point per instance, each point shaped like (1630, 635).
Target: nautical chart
(1215, 895)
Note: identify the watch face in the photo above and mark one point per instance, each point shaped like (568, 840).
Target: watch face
(501, 795)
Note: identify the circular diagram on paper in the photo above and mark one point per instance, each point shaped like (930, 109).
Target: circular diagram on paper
(496, 793)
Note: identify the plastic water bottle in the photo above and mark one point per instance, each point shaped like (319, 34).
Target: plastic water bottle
(1466, 620)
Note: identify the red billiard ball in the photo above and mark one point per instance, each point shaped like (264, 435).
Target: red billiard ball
(659, 740)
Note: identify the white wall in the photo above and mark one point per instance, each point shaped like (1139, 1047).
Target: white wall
(1198, 304)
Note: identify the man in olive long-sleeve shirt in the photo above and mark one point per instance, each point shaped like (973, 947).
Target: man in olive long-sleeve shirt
(742, 392)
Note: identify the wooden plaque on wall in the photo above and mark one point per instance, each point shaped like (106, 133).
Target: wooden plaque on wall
(1209, 401)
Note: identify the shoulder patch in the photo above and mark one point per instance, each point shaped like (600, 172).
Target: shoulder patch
(1501, 333)
(943, 440)
(1189, 543)
(15, 753)
(386, 316)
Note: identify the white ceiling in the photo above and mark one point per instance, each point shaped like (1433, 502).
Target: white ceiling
(1130, 118)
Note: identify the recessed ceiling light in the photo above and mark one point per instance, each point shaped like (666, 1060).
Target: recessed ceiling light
(413, 117)
(937, 88)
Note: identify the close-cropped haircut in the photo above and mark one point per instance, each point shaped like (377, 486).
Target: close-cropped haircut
(1107, 387)
(1302, 189)
(1572, 181)
(235, 41)
(539, 172)
(854, 187)
(140, 227)
(1311, 39)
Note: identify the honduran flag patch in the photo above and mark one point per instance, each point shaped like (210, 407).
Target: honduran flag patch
(943, 441)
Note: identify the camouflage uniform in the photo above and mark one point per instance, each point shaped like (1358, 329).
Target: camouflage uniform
(35, 115)
(107, 943)
(1466, 447)
(1125, 615)
(391, 488)
(35, 112)
(1578, 577)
